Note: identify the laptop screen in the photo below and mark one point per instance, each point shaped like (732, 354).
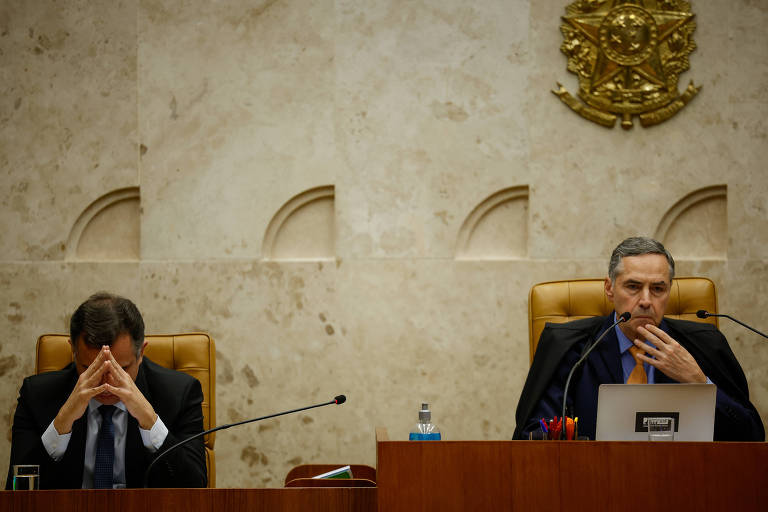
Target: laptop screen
(624, 410)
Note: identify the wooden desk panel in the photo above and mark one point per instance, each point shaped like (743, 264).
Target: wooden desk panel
(193, 500)
(467, 475)
(681, 476)
(575, 476)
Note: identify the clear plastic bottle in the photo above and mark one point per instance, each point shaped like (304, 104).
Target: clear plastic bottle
(425, 430)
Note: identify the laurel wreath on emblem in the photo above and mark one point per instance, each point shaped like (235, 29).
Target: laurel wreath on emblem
(628, 55)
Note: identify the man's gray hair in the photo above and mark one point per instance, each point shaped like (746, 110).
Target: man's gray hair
(637, 246)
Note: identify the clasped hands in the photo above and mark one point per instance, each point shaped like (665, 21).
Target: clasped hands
(669, 356)
(104, 375)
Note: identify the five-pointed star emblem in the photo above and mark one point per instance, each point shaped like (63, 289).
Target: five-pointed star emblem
(605, 69)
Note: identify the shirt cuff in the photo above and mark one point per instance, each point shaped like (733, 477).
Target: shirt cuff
(154, 438)
(55, 443)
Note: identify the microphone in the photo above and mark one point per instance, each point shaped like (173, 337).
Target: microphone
(338, 400)
(706, 314)
(622, 318)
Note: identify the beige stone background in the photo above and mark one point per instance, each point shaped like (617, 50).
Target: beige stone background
(354, 196)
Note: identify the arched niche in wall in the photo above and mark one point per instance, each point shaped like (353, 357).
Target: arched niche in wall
(497, 228)
(696, 227)
(303, 228)
(109, 229)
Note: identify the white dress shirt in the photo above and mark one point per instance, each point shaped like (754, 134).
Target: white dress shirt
(56, 444)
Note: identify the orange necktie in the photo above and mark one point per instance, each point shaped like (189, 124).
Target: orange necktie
(638, 375)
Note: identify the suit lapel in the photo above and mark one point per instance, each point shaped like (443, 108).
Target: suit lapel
(135, 453)
(606, 359)
(74, 457)
(77, 449)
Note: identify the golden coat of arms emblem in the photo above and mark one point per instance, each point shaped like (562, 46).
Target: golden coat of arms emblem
(628, 55)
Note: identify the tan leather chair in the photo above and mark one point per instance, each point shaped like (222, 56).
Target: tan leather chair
(563, 301)
(191, 353)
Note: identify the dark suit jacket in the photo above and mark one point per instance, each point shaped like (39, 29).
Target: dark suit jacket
(561, 345)
(176, 398)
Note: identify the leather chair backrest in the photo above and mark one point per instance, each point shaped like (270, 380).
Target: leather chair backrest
(191, 353)
(563, 301)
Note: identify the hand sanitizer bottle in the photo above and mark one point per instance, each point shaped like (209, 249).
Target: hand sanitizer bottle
(425, 430)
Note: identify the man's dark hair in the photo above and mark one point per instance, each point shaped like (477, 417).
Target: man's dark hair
(637, 246)
(103, 317)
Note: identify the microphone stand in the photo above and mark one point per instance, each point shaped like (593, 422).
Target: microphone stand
(622, 318)
(704, 314)
(337, 400)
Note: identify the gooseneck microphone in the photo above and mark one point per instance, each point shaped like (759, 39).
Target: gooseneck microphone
(706, 314)
(338, 400)
(622, 318)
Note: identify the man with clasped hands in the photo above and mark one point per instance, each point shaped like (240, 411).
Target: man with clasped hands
(639, 278)
(100, 421)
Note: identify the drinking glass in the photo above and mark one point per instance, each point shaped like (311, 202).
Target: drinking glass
(26, 477)
(661, 429)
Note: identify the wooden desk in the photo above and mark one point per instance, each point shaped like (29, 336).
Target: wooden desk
(192, 500)
(682, 476)
(571, 476)
(530, 476)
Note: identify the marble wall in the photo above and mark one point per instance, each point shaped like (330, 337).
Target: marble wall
(354, 196)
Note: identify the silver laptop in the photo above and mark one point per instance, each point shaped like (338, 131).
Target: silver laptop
(624, 410)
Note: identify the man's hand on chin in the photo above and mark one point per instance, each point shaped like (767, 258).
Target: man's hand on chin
(669, 356)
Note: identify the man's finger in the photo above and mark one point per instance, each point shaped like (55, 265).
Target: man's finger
(92, 392)
(663, 336)
(647, 334)
(645, 347)
(657, 337)
(119, 392)
(94, 366)
(120, 374)
(97, 375)
(650, 360)
(121, 377)
(111, 357)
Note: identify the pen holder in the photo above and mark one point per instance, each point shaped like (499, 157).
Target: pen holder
(556, 431)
